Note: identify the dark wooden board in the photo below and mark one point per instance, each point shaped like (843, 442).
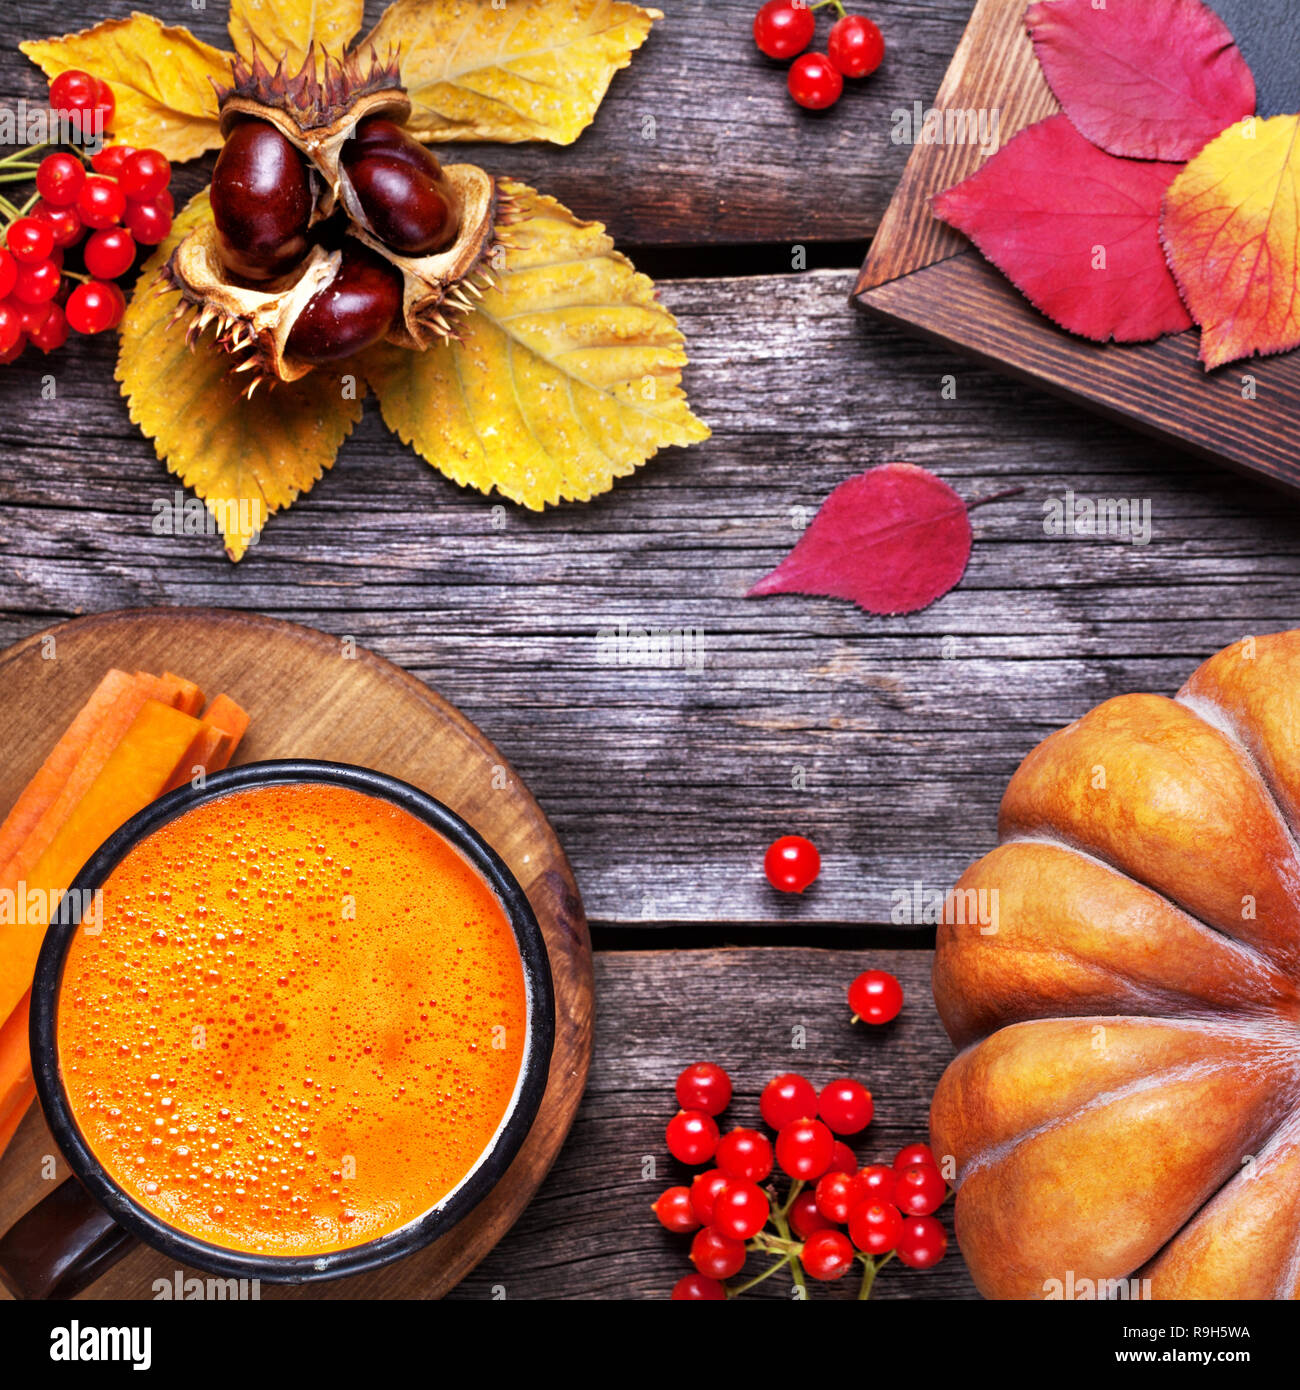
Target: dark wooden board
(729, 158)
(924, 276)
(308, 697)
(665, 784)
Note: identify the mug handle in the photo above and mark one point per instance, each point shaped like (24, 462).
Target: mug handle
(61, 1246)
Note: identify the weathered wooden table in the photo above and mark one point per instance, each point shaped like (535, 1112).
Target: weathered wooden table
(667, 784)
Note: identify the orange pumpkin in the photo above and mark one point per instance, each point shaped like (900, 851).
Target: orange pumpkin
(1126, 1104)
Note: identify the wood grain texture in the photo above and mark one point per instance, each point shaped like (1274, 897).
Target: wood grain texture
(665, 784)
(924, 276)
(696, 142)
(310, 697)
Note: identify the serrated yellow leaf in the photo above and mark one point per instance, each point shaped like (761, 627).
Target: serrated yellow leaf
(278, 29)
(529, 70)
(161, 76)
(1231, 229)
(245, 459)
(565, 377)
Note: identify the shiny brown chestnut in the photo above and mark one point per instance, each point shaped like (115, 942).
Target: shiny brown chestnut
(353, 312)
(406, 209)
(379, 135)
(261, 202)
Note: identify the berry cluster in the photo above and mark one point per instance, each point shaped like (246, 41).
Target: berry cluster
(77, 234)
(731, 1209)
(855, 48)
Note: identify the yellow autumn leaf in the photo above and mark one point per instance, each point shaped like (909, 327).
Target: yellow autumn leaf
(565, 377)
(245, 459)
(529, 70)
(161, 76)
(276, 29)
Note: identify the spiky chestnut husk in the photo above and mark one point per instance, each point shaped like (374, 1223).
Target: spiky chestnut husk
(317, 109)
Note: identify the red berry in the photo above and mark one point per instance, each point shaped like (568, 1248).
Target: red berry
(785, 1098)
(101, 202)
(922, 1242)
(111, 160)
(704, 1086)
(11, 326)
(804, 1218)
(53, 332)
(745, 1153)
(92, 307)
(914, 1156)
(845, 1105)
(879, 1183)
(838, 1194)
(64, 223)
(791, 863)
(692, 1136)
(119, 303)
(674, 1210)
(148, 223)
(920, 1191)
(704, 1193)
(105, 107)
(875, 1227)
(875, 996)
(716, 1255)
(803, 1149)
(813, 82)
(33, 315)
(8, 273)
(827, 1255)
(14, 352)
(856, 46)
(697, 1288)
(37, 283)
(59, 179)
(75, 91)
(110, 253)
(783, 28)
(30, 241)
(741, 1210)
(145, 175)
(843, 1159)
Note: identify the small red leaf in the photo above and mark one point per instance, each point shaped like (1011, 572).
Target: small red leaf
(1077, 232)
(891, 540)
(1146, 79)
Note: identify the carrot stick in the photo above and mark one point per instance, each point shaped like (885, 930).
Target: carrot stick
(15, 1064)
(41, 791)
(99, 747)
(10, 1121)
(134, 774)
(227, 715)
(191, 701)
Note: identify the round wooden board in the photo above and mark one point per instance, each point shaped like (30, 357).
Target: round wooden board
(314, 696)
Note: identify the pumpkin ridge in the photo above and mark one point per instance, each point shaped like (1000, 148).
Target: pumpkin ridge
(1286, 1135)
(1148, 1081)
(1226, 725)
(1049, 835)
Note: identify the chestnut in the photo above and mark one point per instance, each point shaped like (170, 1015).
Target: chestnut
(406, 209)
(353, 312)
(261, 201)
(378, 135)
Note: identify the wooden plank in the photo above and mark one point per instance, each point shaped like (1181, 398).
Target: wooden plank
(697, 142)
(919, 275)
(589, 1233)
(666, 784)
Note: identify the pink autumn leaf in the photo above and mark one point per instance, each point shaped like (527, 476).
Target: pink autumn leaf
(1146, 79)
(891, 540)
(1076, 230)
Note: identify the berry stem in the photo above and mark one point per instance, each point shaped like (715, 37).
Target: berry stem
(783, 1230)
(23, 154)
(869, 1271)
(796, 1188)
(758, 1278)
(820, 4)
(11, 213)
